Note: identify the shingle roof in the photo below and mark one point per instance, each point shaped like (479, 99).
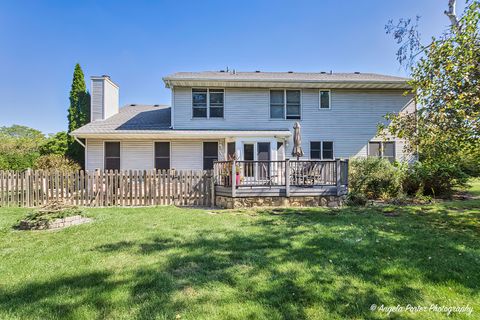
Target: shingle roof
(284, 76)
(131, 118)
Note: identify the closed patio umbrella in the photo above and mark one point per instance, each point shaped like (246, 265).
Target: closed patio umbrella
(297, 141)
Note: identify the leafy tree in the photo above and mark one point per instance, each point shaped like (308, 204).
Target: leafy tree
(78, 112)
(55, 144)
(445, 78)
(19, 147)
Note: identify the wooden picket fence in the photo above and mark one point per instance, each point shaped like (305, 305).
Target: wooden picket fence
(107, 188)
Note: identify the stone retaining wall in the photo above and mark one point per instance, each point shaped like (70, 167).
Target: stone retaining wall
(55, 224)
(249, 202)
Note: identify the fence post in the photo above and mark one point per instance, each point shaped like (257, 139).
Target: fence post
(234, 178)
(28, 188)
(338, 175)
(287, 178)
(212, 190)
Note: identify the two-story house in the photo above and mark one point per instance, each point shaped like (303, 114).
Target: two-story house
(214, 115)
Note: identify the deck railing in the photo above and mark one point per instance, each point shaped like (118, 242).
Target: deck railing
(301, 173)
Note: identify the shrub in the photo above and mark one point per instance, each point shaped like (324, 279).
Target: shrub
(40, 218)
(356, 199)
(437, 179)
(375, 178)
(56, 162)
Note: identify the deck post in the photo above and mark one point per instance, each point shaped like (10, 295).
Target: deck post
(346, 175)
(287, 178)
(338, 175)
(234, 178)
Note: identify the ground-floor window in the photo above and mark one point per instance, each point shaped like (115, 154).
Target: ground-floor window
(321, 150)
(210, 154)
(382, 149)
(112, 156)
(162, 155)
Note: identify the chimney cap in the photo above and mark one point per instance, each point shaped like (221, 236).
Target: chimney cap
(105, 78)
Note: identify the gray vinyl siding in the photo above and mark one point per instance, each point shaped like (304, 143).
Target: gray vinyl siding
(136, 155)
(94, 154)
(186, 155)
(139, 154)
(350, 123)
(97, 100)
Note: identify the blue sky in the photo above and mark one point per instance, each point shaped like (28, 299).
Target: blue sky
(139, 42)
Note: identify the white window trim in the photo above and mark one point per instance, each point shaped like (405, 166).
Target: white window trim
(333, 149)
(329, 99)
(382, 156)
(321, 149)
(284, 104)
(121, 149)
(203, 151)
(208, 103)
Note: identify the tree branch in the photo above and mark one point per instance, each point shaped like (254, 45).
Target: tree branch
(451, 13)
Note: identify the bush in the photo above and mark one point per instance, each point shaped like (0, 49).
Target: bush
(375, 178)
(356, 199)
(56, 162)
(41, 218)
(436, 179)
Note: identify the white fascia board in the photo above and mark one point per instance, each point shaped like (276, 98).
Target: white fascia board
(183, 134)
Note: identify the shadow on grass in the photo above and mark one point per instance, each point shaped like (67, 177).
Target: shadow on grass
(61, 298)
(289, 262)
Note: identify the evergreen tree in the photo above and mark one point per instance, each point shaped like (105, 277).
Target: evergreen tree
(78, 113)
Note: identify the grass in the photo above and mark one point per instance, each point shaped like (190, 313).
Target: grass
(179, 263)
(474, 189)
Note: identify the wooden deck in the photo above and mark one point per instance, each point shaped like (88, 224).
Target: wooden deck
(281, 178)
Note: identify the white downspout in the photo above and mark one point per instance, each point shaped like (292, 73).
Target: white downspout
(80, 142)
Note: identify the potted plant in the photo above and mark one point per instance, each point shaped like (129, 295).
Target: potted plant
(238, 170)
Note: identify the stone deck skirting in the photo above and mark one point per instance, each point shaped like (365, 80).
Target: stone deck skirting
(303, 201)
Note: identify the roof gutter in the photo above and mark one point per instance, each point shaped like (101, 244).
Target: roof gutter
(183, 134)
(272, 83)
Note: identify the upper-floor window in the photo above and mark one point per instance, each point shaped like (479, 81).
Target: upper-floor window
(208, 103)
(324, 99)
(321, 150)
(385, 149)
(285, 104)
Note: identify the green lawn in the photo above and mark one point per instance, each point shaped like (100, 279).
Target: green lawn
(169, 263)
(475, 187)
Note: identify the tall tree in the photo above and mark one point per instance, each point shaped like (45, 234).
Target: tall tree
(78, 112)
(445, 78)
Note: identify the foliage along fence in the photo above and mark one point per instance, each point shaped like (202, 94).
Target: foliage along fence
(106, 188)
